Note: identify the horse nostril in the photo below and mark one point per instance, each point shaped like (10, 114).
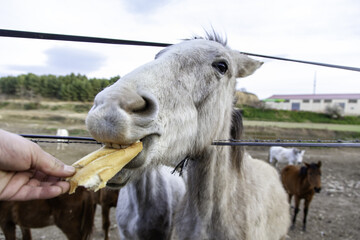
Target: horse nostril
(149, 108)
(130, 101)
(137, 104)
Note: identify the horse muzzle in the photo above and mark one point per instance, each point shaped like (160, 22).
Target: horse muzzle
(317, 189)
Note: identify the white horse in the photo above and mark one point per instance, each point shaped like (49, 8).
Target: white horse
(62, 133)
(146, 206)
(290, 156)
(177, 105)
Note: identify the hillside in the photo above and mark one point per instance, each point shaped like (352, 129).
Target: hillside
(246, 98)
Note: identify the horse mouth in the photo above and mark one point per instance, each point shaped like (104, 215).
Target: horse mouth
(140, 158)
(113, 185)
(116, 145)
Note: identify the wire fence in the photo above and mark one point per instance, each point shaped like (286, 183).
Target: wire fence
(231, 142)
(288, 143)
(59, 139)
(74, 38)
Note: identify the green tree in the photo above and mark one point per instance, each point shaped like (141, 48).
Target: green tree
(68, 88)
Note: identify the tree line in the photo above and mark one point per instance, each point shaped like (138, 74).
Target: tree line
(66, 88)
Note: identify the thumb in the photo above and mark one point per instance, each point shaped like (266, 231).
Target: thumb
(50, 165)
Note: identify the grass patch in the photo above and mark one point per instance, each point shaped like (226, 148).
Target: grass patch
(80, 108)
(251, 113)
(3, 104)
(44, 105)
(79, 132)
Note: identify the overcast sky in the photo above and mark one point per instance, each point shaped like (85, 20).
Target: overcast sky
(316, 30)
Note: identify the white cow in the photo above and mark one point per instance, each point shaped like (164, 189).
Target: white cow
(285, 155)
(63, 133)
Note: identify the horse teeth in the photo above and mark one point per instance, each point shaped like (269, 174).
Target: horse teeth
(116, 146)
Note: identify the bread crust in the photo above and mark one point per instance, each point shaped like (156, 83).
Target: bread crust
(95, 169)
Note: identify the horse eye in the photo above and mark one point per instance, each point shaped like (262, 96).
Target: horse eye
(221, 67)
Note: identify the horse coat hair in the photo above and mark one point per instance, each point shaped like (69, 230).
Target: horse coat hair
(177, 105)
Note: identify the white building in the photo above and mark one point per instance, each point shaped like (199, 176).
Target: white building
(350, 103)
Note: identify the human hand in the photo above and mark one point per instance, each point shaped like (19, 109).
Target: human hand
(27, 172)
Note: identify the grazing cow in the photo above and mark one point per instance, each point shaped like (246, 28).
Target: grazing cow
(73, 214)
(290, 156)
(177, 105)
(302, 182)
(61, 142)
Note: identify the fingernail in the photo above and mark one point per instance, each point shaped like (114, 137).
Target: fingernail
(69, 169)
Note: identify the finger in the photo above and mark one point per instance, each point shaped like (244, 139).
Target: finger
(30, 193)
(50, 165)
(14, 183)
(42, 191)
(33, 182)
(21, 186)
(15, 152)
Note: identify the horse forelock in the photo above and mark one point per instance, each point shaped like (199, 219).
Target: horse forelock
(212, 36)
(314, 166)
(303, 171)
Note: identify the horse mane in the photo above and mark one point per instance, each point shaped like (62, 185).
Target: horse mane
(303, 171)
(212, 35)
(235, 134)
(209, 35)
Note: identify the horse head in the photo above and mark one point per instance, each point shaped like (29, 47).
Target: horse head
(176, 105)
(299, 154)
(314, 175)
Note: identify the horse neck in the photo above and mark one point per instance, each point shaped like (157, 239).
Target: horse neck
(145, 188)
(210, 180)
(211, 172)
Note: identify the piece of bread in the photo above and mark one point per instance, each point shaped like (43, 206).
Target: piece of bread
(95, 169)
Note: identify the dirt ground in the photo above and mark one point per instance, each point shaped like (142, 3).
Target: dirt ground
(334, 212)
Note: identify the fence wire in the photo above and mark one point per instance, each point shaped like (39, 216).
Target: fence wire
(74, 38)
(230, 142)
(288, 143)
(60, 139)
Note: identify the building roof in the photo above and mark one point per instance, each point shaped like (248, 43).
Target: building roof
(317, 96)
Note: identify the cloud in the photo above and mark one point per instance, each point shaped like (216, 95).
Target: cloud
(145, 6)
(65, 60)
(321, 31)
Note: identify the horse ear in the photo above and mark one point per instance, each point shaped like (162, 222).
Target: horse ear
(319, 164)
(246, 66)
(306, 164)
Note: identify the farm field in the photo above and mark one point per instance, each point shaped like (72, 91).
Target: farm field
(327, 126)
(334, 212)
